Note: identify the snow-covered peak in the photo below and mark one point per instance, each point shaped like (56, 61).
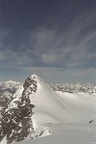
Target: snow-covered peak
(33, 83)
(10, 82)
(36, 78)
(10, 85)
(75, 87)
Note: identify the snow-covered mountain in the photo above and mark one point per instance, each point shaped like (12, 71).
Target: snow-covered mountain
(58, 107)
(75, 87)
(36, 108)
(10, 86)
(17, 123)
(7, 89)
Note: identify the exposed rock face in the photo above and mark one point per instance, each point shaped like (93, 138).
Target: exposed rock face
(7, 90)
(30, 86)
(16, 123)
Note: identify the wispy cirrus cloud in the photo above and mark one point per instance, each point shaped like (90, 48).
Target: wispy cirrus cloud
(55, 75)
(73, 45)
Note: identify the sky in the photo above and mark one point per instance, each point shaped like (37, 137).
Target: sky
(56, 39)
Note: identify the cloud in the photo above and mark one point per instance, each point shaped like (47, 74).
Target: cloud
(62, 42)
(1, 56)
(3, 35)
(71, 46)
(49, 58)
(62, 75)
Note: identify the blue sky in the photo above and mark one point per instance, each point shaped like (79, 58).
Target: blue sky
(55, 39)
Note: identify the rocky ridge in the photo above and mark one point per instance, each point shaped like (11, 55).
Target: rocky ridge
(16, 122)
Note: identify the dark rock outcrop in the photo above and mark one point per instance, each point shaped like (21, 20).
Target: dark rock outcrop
(16, 123)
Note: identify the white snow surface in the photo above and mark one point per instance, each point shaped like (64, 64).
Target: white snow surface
(71, 118)
(58, 107)
(77, 133)
(4, 141)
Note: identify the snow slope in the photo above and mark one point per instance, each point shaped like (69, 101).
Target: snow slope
(58, 107)
(78, 133)
(82, 105)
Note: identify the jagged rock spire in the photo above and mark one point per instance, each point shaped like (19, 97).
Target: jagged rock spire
(16, 122)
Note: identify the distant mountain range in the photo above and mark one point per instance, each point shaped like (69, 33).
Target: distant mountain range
(75, 87)
(8, 88)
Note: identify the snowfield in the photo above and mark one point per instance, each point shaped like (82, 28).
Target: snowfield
(59, 117)
(78, 133)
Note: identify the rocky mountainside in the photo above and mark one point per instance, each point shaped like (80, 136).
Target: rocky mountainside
(16, 121)
(7, 89)
(10, 86)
